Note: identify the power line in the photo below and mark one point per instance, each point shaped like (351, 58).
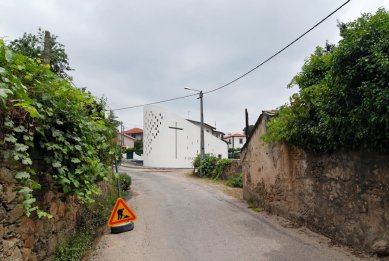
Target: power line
(250, 71)
(280, 51)
(151, 103)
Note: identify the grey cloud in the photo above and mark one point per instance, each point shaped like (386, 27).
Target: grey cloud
(137, 52)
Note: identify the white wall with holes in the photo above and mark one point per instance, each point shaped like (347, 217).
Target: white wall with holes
(170, 141)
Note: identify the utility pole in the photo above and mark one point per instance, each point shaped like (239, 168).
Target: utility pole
(121, 141)
(247, 124)
(202, 151)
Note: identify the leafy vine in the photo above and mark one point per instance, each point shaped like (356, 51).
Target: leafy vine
(43, 114)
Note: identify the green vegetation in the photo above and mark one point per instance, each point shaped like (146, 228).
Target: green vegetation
(234, 153)
(343, 101)
(211, 166)
(43, 114)
(125, 181)
(138, 147)
(32, 46)
(220, 167)
(235, 181)
(207, 166)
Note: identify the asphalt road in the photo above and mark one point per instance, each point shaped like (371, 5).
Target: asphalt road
(181, 218)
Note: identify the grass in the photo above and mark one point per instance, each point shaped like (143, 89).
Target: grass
(252, 204)
(235, 181)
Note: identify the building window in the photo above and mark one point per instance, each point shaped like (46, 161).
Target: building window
(240, 141)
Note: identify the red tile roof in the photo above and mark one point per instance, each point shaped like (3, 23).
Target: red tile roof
(235, 135)
(133, 131)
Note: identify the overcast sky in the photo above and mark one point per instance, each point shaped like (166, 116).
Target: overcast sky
(136, 52)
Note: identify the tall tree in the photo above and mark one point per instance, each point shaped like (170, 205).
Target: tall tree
(33, 46)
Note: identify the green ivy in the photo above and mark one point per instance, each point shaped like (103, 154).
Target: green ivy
(43, 114)
(220, 167)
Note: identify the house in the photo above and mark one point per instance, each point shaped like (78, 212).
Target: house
(127, 141)
(208, 128)
(136, 133)
(173, 142)
(235, 141)
(218, 134)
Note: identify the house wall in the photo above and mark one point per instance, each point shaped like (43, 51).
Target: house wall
(344, 195)
(159, 143)
(128, 142)
(237, 144)
(138, 136)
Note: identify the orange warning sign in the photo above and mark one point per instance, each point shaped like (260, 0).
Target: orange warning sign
(121, 213)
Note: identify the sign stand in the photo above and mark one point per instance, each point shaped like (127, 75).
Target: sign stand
(121, 216)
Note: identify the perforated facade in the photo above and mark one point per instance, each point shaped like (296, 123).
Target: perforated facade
(173, 142)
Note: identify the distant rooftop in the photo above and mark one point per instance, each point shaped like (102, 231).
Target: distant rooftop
(133, 131)
(235, 135)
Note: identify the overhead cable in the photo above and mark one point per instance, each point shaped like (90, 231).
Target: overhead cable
(250, 71)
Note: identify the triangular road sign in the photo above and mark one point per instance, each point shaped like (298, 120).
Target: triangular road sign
(121, 213)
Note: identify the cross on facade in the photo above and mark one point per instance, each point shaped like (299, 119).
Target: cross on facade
(176, 129)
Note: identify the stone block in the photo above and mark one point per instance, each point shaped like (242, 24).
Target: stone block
(26, 253)
(15, 214)
(9, 193)
(52, 244)
(9, 245)
(27, 227)
(381, 247)
(16, 255)
(53, 209)
(6, 176)
(3, 213)
(61, 210)
(29, 241)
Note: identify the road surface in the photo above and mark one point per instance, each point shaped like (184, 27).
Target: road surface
(183, 218)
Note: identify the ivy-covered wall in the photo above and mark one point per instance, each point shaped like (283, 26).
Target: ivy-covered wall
(56, 147)
(343, 195)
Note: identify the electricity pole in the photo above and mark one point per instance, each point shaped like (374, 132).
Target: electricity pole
(202, 151)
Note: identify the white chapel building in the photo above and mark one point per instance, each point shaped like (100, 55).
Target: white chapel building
(170, 141)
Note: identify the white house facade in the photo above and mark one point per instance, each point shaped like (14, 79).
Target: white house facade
(170, 141)
(235, 141)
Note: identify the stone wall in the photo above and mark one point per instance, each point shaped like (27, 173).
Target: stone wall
(344, 195)
(231, 170)
(23, 238)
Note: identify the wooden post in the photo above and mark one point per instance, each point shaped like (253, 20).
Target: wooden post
(247, 124)
(46, 49)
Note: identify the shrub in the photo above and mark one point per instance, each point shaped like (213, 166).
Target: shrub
(220, 167)
(207, 165)
(236, 181)
(196, 162)
(125, 181)
(343, 93)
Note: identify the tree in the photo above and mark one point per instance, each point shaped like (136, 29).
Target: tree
(138, 146)
(32, 46)
(344, 92)
(250, 129)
